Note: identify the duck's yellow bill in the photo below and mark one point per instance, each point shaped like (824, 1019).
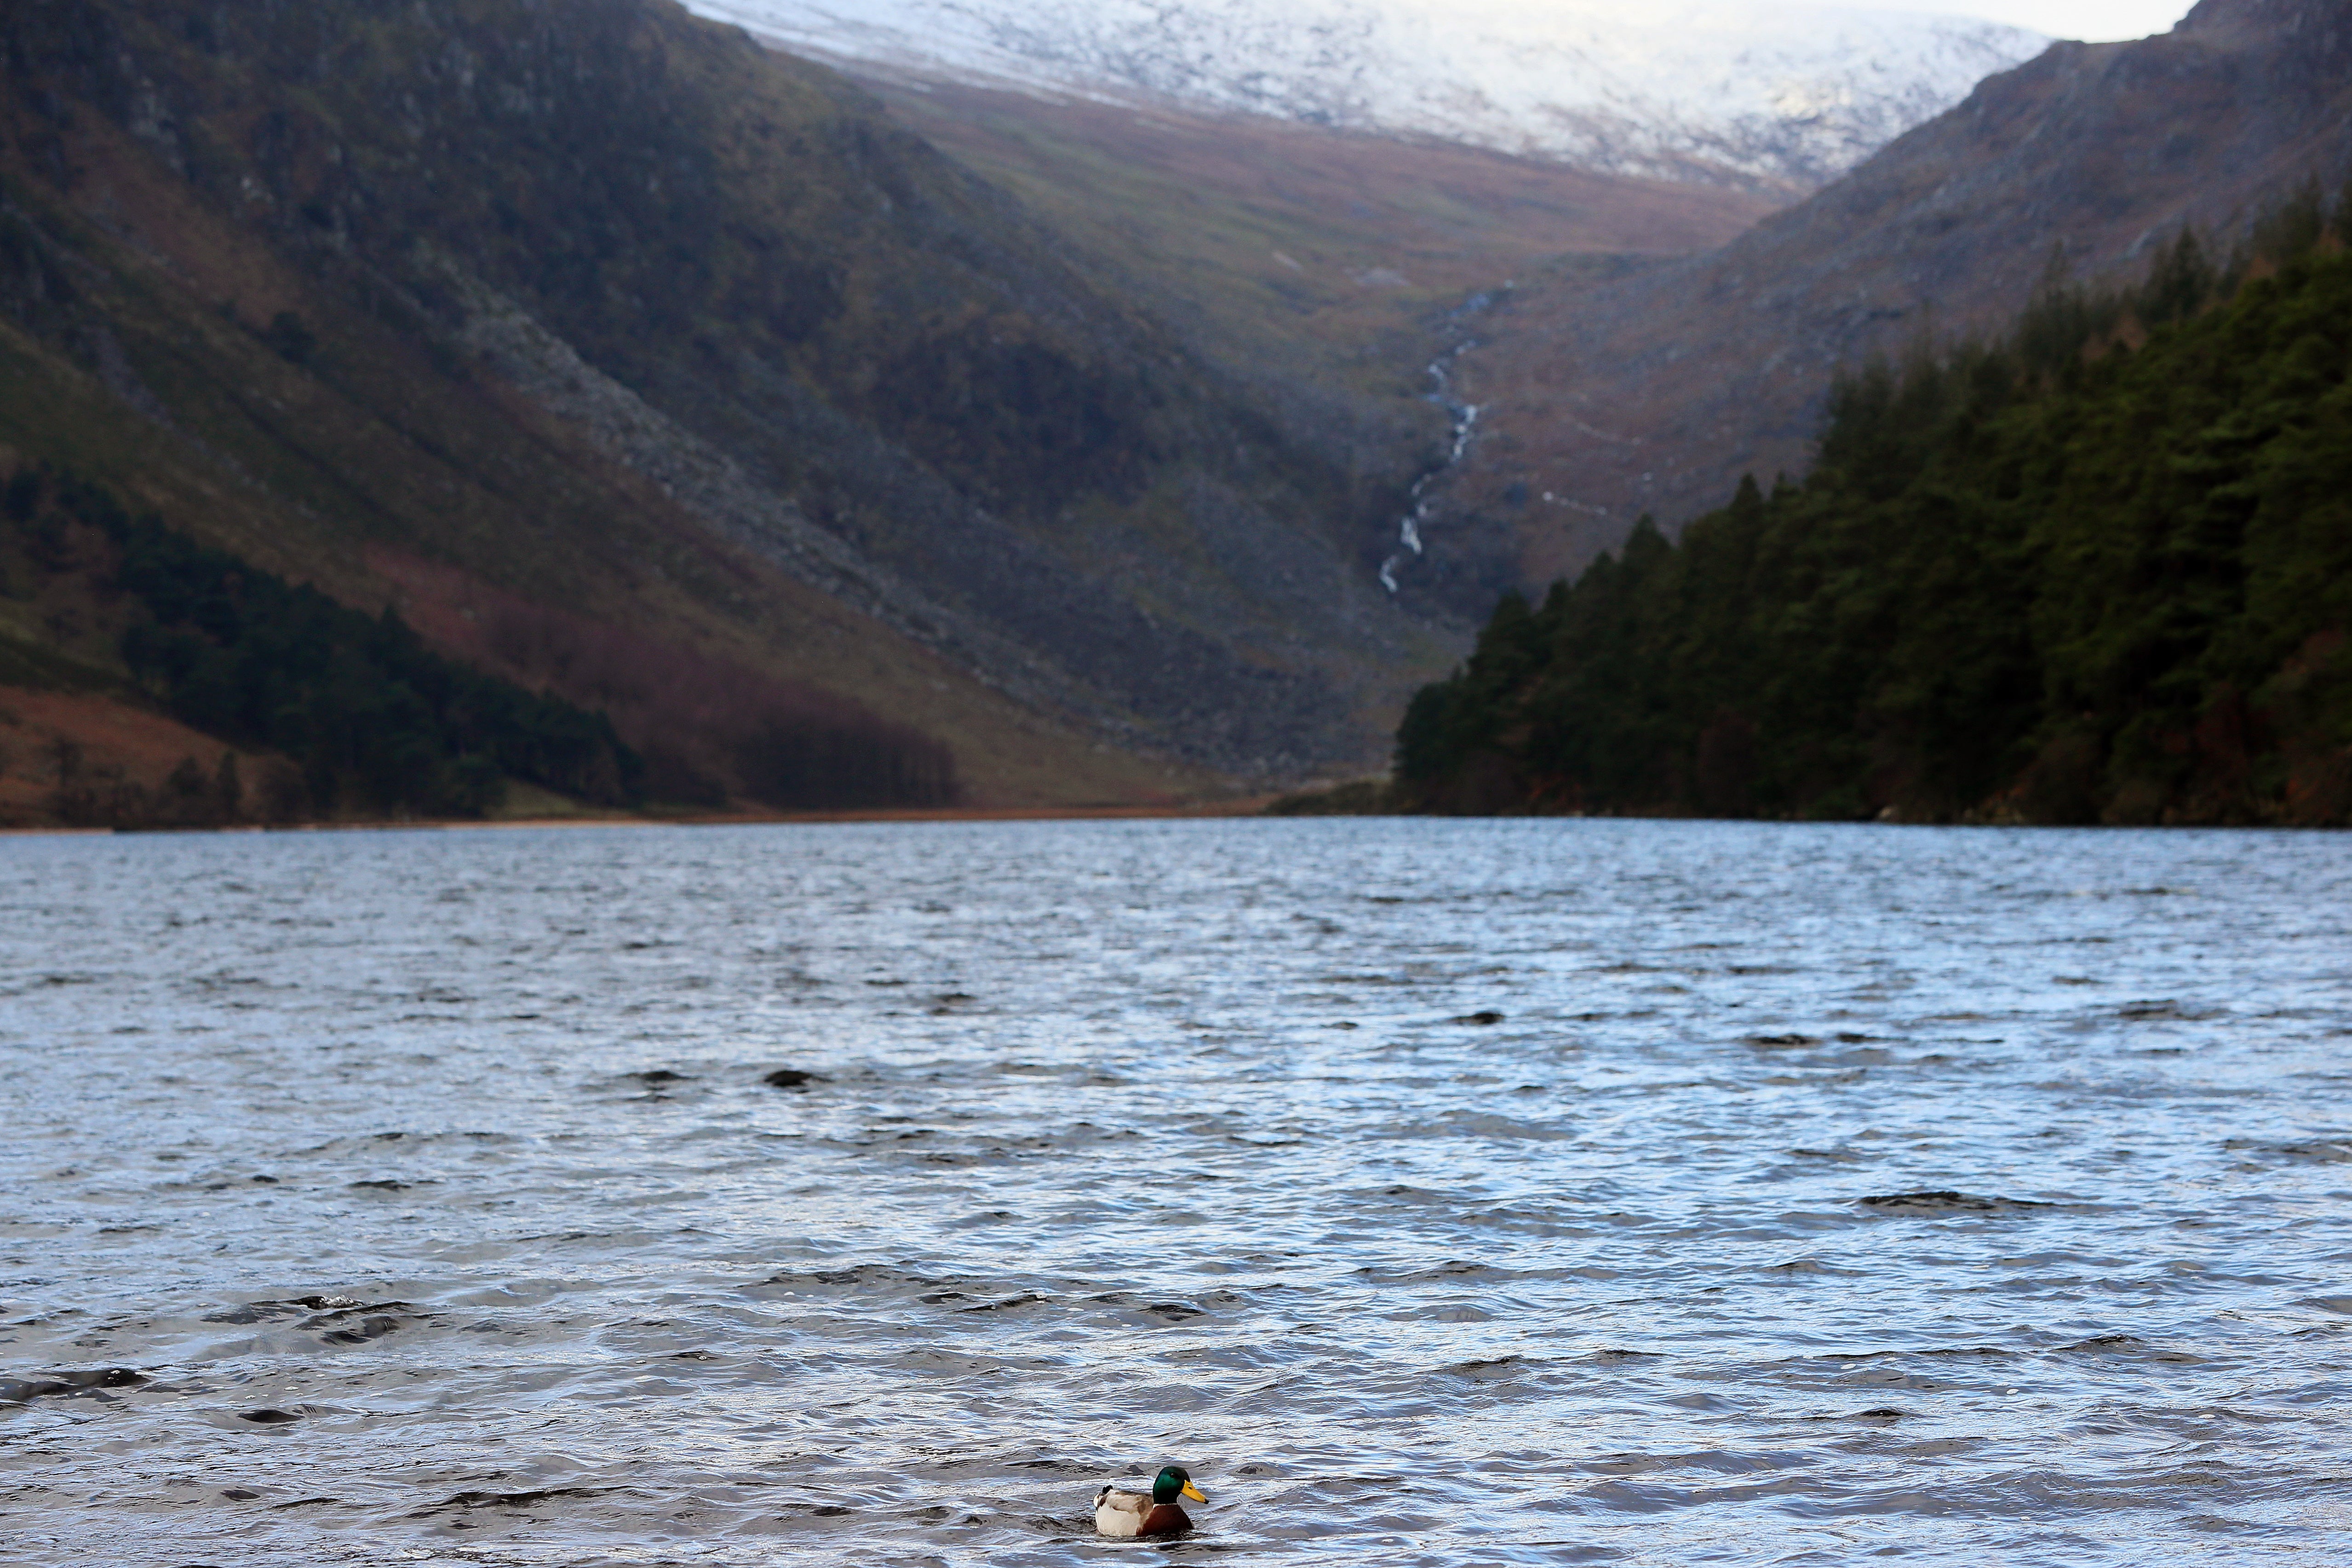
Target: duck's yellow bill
(1193, 1492)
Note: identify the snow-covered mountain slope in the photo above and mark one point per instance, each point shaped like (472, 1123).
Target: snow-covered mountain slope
(1777, 93)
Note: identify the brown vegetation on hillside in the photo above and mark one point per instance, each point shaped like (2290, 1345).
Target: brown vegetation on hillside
(708, 728)
(1292, 245)
(91, 760)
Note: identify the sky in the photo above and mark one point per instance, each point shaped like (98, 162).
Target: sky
(2092, 20)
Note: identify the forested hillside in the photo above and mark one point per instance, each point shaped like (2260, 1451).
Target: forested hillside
(348, 714)
(2098, 572)
(352, 713)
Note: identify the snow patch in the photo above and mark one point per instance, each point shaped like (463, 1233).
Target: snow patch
(1777, 92)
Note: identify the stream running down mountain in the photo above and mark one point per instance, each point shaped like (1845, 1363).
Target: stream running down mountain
(1463, 417)
(1441, 1193)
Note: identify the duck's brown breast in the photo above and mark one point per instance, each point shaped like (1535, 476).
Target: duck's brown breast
(1165, 1519)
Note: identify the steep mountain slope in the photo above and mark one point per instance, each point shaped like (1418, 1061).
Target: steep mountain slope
(1773, 96)
(1657, 392)
(611, 313)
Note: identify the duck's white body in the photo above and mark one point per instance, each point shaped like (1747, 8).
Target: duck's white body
(1128, 1513)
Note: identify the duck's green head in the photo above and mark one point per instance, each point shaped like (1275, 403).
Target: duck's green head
(1175, 1481)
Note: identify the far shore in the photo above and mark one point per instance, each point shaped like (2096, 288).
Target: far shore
(1248, 806)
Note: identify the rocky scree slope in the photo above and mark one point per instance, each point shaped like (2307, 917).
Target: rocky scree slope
(614, 309)
(1656, 392)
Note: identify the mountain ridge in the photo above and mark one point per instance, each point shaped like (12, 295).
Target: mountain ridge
(1758, 96)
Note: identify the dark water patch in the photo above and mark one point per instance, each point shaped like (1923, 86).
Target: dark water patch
(336, 1320)
(2168, 1009)
(792, 1078)
(1500, 1369)
(269, 1417)
(859, 1279)
(334, 1312)
(1944, 1203)
(350, 1330)
(2132, 1345)
(295, 1306)
(473, 1499)
(1454, 1270)
(1006, 1304)
(1484, 1018)
(2327, 1151)
(69, 1385)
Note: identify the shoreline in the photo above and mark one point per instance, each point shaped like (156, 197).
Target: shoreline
(1250, 807)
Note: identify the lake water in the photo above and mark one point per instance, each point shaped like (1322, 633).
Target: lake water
(1441, 1193)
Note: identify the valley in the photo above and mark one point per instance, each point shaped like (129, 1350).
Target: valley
(1130, 448)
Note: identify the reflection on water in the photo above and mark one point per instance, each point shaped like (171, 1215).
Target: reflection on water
(1458, 1193)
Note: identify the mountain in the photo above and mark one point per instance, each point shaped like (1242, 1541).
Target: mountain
(1772, 97)
(631, 360)
(1654, 393)
(2100, 571)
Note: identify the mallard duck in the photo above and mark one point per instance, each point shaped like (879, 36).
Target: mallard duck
(1154, 1513)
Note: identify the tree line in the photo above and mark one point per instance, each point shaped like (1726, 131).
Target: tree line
(2099, 570)
(373, 721)
(369, 720)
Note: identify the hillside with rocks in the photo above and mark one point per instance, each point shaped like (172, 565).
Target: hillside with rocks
(612, 317)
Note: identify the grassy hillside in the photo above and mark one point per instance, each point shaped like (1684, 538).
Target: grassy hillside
(607, 314)
(2099, 573)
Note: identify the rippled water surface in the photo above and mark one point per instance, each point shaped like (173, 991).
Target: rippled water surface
(1462, 1193)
